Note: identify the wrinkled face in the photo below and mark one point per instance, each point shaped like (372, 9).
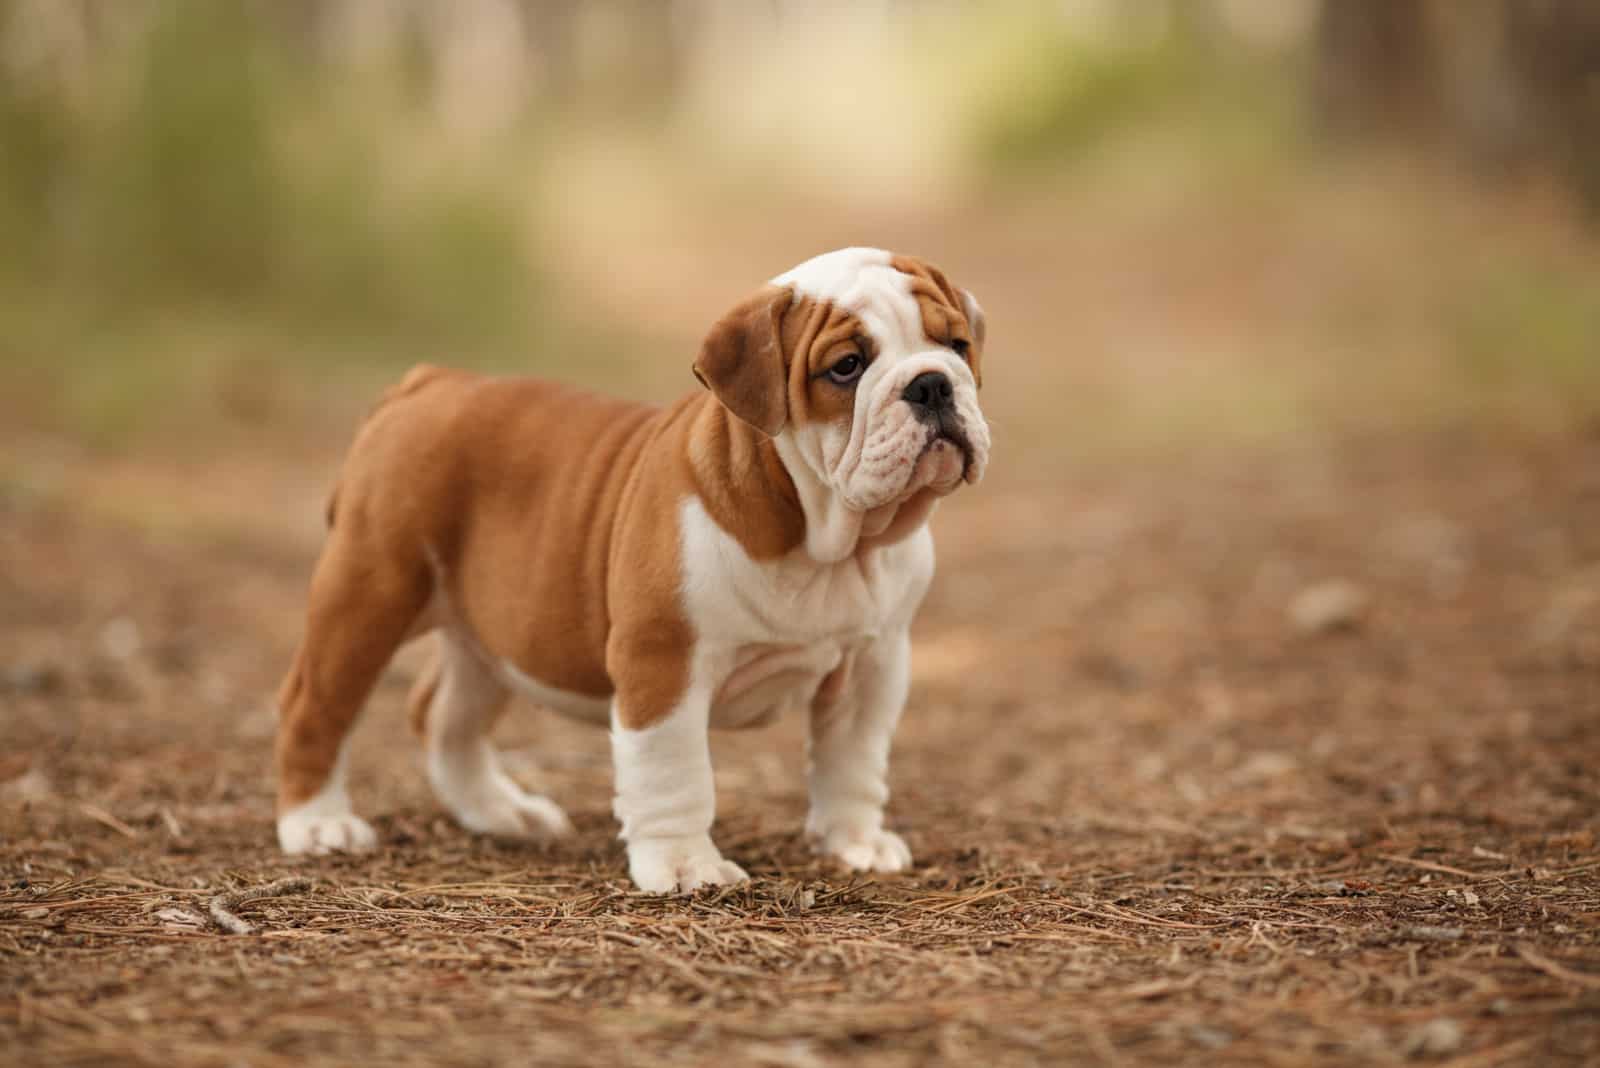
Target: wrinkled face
(865, 366)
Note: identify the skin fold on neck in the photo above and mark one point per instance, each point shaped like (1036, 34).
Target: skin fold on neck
(773, 502)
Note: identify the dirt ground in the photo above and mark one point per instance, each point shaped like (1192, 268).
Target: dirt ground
(1269, 756)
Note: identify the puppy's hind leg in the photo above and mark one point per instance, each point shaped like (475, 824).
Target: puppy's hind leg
(359, 614)
(454, 706)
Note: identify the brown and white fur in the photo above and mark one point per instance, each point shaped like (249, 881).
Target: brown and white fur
(748, 550)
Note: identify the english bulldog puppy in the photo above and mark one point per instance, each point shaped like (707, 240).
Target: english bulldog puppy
(756, 548)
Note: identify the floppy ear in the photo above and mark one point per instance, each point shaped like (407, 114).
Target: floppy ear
(741, 360)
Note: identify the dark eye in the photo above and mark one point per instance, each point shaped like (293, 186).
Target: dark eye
(848, 369)
(961, 347)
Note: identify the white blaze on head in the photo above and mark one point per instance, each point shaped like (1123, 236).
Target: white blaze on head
(884, 454)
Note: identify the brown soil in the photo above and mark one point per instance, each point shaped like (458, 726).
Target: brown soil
(1155, 819)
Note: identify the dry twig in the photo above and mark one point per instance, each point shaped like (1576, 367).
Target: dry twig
(222, 905)
(1557, 969)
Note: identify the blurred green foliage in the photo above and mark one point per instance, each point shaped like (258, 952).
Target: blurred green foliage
(219, 212)
(1516, 323)
(211, 175)
(1052, 96)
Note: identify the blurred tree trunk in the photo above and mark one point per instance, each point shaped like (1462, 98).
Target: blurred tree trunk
(1503, 82)
(1554, 53)
(551, 28)
(1372, 70)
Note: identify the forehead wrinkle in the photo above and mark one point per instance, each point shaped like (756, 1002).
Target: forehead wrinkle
(838, 325)
(805, 318)
(866, 283)
(811, 318)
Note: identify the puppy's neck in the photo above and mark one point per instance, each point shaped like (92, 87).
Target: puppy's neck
(833, 530)
(761, 490)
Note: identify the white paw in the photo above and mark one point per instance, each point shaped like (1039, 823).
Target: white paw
(866, 849)
(514, 816)
(303, 830)
(509, 812)
(669, 865)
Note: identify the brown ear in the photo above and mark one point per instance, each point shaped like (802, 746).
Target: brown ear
(741, 360)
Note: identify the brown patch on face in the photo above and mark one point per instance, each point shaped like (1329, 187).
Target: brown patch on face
(950, 316)
(817, 335)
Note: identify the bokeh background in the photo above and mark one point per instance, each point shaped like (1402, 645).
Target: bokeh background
(1254, 704)
(1193, 221)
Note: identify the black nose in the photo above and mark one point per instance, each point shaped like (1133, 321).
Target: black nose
(929, 392)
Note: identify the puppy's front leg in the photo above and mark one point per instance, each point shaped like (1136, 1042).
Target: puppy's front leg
(665, 797)
(851, 727)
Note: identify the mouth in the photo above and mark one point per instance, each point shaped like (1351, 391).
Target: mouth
(948, 434)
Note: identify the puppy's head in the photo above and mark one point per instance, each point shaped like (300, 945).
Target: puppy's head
(867, 365)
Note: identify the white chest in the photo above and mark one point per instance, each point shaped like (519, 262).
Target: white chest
(734, 600)
(769, 632)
